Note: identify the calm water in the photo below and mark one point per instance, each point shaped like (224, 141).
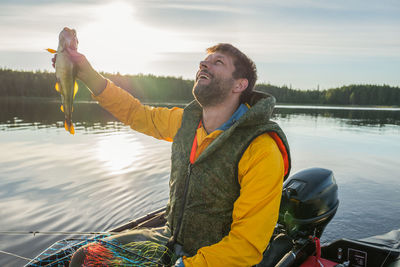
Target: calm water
(107, 174)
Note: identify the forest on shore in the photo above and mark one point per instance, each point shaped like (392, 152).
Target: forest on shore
(150, 88)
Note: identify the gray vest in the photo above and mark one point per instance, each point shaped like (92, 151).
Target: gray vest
(199, 211)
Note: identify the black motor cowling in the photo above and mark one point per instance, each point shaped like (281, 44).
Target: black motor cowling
(309, 201)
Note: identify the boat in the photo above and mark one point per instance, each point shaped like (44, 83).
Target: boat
(309, 202)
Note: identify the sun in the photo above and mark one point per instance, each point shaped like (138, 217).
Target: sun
(117, 40)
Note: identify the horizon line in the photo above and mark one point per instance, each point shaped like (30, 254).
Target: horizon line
(3, 68)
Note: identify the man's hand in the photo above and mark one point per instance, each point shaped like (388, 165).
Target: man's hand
(54, 61)
(85, 72)
(179, 263)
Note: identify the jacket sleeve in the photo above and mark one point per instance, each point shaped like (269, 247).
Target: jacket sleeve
(161, 123)
(255, 212)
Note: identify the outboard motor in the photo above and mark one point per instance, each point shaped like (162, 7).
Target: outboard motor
(309, 201)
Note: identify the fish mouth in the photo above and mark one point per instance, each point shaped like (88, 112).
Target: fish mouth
(68, 38)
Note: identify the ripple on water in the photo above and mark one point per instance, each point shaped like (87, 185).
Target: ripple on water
(107, 174)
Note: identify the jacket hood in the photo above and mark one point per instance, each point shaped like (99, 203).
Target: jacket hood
(260, 111)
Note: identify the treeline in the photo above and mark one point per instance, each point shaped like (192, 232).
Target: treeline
(381, 95)
(150, 88)
(147, 88)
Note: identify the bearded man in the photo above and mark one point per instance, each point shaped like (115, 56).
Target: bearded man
(228, 161)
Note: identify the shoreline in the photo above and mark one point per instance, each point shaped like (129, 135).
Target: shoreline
(180, 103)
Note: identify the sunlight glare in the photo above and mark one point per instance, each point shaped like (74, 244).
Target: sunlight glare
(118, 152)
(116, 37)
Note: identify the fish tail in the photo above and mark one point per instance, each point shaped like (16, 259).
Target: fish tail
(69, 127)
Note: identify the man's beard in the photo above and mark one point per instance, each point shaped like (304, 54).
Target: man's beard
(208, 95)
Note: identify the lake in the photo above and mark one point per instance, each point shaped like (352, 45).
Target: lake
(107, 174)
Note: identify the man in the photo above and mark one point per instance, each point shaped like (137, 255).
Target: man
(228, 161)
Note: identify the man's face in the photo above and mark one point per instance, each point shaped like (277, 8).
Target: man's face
(214, 79)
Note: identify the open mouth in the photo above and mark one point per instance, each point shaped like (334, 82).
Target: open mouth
(203, 76)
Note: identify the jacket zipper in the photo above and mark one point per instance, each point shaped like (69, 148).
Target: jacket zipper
(180, 218)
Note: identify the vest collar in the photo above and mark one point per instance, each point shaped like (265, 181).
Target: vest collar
(261, 107)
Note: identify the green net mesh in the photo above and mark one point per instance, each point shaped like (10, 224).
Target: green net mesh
(103, 252)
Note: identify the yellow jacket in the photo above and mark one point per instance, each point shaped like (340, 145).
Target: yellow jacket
(260, 175)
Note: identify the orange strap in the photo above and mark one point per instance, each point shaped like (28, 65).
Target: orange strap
(194, 146)
(283, 150)
(317, 248)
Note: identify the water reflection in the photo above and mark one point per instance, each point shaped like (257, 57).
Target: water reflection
(107, 174)
(118, 152)
(352, 116)
(17, 114)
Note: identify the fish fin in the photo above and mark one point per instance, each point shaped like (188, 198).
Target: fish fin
(69, 128)
(66, 126)
(75, 88)
(72, 129)
(57, 87)
(51, 50)
(62, 108)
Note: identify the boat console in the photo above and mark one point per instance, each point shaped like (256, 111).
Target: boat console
(369, 252)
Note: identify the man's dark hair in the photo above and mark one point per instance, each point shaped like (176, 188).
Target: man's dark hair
(244, 67)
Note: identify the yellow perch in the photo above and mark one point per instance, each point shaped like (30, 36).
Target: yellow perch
(66, 74)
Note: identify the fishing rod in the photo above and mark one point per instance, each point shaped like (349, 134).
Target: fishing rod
(15, 255)
(34, 233)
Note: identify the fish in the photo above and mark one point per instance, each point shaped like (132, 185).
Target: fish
(66, 71)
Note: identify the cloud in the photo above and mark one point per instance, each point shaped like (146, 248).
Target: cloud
(150, 34)
(29, 28)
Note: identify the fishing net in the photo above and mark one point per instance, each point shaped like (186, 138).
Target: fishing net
(101, 252)
(143, 253)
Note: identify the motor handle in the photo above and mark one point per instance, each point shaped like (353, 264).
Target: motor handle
(288, 259)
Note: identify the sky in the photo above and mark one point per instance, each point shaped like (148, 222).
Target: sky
(303, 44)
